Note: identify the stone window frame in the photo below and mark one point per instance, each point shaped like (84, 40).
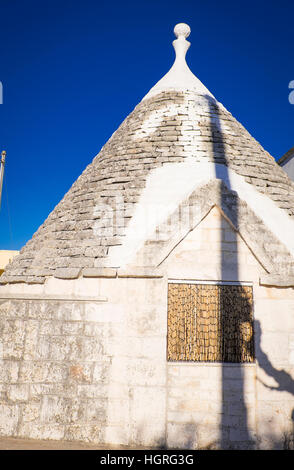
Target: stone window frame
(210, 282)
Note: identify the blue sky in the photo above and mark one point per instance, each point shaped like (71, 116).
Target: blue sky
(73, 70)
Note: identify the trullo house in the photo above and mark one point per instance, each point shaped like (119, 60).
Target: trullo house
(155, 305)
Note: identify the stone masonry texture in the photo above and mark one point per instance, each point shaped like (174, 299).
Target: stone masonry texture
(170, 127)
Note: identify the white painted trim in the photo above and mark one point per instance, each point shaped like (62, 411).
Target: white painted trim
(214, 283)
(63, 298)
(219, 364)
(168, 186)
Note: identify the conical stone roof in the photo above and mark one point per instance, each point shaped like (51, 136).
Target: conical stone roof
(177, 122)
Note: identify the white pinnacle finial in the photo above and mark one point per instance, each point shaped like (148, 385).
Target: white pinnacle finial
(179, 76)
(182, 29)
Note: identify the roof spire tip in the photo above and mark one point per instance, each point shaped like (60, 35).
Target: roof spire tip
(179, 77)
(182, 29)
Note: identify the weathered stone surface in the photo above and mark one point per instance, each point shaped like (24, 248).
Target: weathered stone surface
(277, 280)
(99, 272)
(67, 273)
(9, 419)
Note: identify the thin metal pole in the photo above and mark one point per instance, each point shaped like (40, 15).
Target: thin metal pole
(3, 156)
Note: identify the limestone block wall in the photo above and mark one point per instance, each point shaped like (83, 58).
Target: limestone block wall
(85, 370)
(52, 368)
(274, 321)
(233, 406)
(85, 359)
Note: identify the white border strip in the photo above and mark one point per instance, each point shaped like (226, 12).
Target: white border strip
(12, 296)
(223, 283)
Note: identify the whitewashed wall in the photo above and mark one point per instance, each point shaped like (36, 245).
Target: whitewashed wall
(86, 359)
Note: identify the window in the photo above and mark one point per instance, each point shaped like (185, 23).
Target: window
(210, 322)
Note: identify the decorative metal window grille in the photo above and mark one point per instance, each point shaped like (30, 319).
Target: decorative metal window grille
(210, 323)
